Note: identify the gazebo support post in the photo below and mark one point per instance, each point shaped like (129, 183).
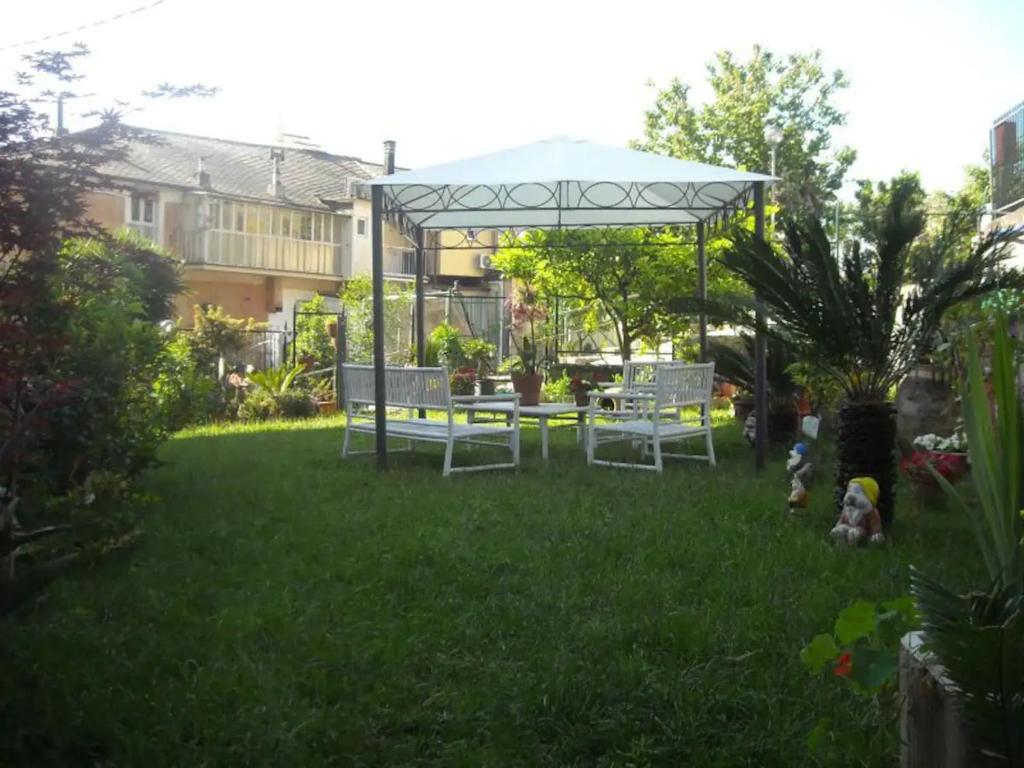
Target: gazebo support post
(702, 290)
(760, 349)
(379, 392)
(421, 323)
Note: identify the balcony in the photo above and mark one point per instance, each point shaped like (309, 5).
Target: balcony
(272, 253)
(399, 262)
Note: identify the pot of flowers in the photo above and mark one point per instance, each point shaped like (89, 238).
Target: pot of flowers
(946, 455)
(581, 389)
(463, 381)
(527, 383)
(526, 312)
(480, 354)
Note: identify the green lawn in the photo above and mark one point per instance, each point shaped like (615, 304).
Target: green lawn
(287, 608)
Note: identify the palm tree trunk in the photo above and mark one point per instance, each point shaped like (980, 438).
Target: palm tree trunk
(866, 442)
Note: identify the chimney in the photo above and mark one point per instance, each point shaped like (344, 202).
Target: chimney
(202, 177)
(389, 157)
(276, 186)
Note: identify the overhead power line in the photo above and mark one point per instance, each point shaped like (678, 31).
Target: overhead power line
(84, 27)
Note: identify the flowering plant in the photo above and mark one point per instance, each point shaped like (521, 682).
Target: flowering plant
(955, 443)
(861, 652)
(950, 465)
(579, 385)
(463, 381)
(526, 311)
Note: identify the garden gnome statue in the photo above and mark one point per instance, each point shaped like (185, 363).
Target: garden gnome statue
(800, 467)
(859, 518)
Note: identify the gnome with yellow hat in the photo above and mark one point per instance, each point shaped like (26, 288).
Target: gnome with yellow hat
(859, 518)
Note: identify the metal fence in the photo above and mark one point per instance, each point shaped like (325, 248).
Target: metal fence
(263, 349)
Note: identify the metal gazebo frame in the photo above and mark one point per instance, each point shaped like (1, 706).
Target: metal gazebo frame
(558, 184)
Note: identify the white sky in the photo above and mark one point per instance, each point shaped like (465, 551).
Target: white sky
(449, 79)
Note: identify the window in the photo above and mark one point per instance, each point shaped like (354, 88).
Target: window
(142, 215)
(239, 210)
(361, 227)
(408, 262)
(305, 226)
(285, 228)
(213, 222)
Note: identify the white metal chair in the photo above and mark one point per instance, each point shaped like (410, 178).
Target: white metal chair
(658, 417)
(429, 389)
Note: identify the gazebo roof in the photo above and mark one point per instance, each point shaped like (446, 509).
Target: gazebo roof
(564, 182)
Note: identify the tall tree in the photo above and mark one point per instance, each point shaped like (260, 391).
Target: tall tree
(793, 93)
(629, 275)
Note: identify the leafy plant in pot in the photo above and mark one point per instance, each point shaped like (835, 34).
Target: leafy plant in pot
(527, 312)
(979, 637)
(860, 320)
(479, 353)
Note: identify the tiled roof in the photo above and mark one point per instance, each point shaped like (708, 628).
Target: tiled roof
(311, 178)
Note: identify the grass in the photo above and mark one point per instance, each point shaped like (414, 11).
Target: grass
(287, 608)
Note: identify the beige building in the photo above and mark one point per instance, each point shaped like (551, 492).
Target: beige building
(263, 227)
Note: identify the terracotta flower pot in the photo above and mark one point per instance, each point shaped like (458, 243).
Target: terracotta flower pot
(528, 386)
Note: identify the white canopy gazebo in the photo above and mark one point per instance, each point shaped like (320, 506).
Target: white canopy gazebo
(558, 184)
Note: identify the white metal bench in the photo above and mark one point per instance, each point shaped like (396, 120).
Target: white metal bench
(655, 416)
(427, 389)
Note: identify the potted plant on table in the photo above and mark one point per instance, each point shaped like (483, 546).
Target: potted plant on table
(527, 312)
(480, 355)
(463, 381)
(581, 389)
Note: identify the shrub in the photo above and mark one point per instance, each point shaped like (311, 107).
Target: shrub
(259, 405)
(357, 300)
(185, 394)
(446, 339)
(295, 405)
(80, 353)
(312, 339)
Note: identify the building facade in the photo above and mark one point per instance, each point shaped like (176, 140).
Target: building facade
(262, 228)
(1006, 150)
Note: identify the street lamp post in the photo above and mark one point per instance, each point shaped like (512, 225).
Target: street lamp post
(773, 135)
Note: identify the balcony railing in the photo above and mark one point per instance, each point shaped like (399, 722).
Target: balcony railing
(269, 252)
(399, 261)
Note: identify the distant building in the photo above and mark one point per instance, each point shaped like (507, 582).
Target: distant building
(1006, 150)
(263, 227)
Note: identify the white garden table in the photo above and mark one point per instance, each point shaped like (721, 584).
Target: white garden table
(543, 413)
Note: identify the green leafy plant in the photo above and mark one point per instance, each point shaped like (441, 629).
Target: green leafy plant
(556, 390)
(979, 637)
(276, 381)
(294, 404)
(448, 343)
(357, 299)
(479, 353)
(862, 652)
(312, 339)
(259, 405)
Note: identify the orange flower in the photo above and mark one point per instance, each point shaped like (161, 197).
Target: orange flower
(844, 665)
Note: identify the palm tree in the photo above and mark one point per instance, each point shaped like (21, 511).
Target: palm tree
(859, 319)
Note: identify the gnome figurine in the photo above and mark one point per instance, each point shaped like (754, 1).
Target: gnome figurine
(859, 519)
(800, 467)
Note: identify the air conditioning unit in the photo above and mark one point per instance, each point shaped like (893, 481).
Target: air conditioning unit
(484, 261)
